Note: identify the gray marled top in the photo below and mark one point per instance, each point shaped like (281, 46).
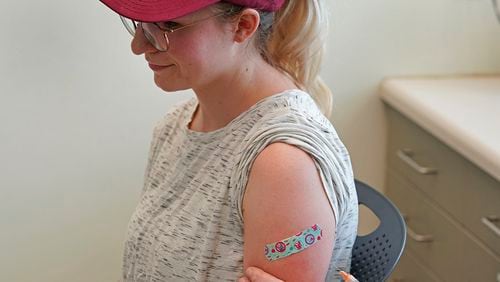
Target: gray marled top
(188, 224)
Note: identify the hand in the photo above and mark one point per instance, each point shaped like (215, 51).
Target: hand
(254, 274)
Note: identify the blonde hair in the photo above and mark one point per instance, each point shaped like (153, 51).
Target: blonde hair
(296, 46)
(293, 40)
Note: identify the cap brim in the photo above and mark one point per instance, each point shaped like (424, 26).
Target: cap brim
(155, 10)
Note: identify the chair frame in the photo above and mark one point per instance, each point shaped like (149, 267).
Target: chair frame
(375, 255)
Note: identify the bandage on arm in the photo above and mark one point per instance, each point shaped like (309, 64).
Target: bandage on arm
(294, 244)
(284, 196)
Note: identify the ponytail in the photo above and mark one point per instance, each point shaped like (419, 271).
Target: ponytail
(296, 45)
(292, 40)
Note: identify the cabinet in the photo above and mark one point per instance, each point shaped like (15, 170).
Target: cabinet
(451, 207)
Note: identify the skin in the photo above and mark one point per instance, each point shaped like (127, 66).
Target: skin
(284, 194)
(226, 82)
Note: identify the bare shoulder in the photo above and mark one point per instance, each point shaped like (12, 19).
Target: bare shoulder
(284, 196)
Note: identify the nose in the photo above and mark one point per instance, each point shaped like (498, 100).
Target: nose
(140, 44)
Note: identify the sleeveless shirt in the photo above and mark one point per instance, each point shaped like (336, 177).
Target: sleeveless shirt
(188, 224)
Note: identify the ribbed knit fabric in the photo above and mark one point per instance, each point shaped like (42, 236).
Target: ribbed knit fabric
(188, 225)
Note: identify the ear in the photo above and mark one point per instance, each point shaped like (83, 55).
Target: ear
(246, 25)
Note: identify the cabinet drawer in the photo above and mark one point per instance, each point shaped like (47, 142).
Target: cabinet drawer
(405, 135)
(463, 190)
(449, 245)
(409, 269)
(481, 203)
(445, 186)
(480, 265)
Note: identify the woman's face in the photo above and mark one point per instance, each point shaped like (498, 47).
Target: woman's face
(198, 55)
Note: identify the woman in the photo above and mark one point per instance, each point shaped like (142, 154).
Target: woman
(251, 160)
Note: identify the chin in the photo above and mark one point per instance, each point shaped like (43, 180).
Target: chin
(168, 86)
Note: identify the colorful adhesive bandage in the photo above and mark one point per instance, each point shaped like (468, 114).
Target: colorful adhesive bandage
(294, 244)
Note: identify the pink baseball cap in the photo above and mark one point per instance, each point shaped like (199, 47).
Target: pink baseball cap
(164, 10)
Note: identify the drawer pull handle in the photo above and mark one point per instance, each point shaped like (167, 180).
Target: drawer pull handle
(414, 235)
(419, 237)
(490, 221)
(406, 156)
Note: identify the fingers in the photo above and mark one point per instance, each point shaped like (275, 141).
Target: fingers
(254, 274)
(243, 279)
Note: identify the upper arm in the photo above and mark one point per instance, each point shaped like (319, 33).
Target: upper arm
(284, 195)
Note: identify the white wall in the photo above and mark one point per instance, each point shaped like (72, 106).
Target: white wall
(373, 39)
(77, 109)
(76, 114)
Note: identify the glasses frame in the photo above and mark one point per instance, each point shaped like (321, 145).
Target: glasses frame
(152, 38)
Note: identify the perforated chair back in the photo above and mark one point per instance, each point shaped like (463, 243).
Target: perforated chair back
(375, 255)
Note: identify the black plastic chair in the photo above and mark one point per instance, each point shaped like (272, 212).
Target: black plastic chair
(375, 255)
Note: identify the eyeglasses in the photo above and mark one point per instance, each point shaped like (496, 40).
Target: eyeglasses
(156, 33)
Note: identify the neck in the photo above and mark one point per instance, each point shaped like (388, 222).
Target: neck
(229, 96)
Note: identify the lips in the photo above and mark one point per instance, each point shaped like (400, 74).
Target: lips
(158, 67)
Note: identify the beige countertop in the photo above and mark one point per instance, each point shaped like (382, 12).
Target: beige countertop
(462, 111)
